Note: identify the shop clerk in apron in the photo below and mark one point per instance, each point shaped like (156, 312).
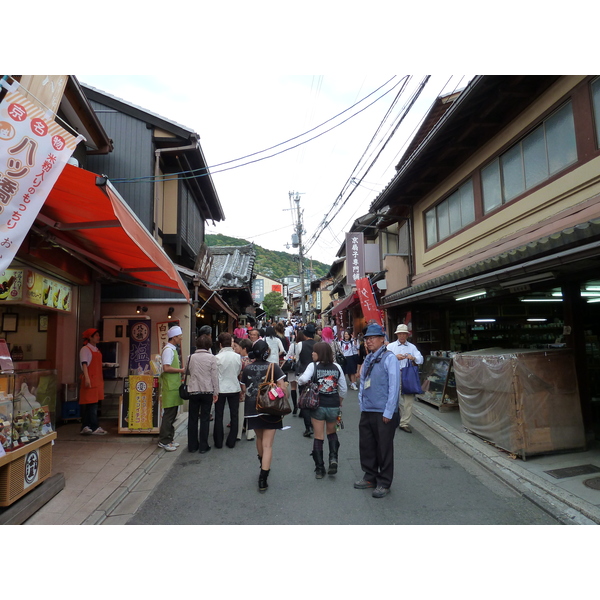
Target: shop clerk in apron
(92, 383)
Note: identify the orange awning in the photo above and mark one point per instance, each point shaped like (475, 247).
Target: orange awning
(94, 221)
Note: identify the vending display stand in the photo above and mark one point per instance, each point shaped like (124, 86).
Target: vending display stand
(27, 431)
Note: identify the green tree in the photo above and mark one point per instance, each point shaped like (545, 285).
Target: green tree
(273, 303)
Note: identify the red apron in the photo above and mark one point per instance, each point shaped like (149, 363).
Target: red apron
(89, 395)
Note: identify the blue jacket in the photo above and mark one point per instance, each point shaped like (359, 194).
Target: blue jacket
(382, 393)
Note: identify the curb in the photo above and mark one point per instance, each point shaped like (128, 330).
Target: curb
(563, 506)
(118, 496)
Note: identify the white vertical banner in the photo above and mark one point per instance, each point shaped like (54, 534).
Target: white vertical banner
(355, 257)
(33, 152)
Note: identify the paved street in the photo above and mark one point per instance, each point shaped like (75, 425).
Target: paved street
(434, 484)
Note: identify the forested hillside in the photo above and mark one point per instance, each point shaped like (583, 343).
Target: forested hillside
(272, 263)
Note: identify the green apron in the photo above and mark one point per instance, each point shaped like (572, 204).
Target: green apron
(169, 384)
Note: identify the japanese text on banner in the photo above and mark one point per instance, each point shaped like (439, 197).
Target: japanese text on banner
(33, 152)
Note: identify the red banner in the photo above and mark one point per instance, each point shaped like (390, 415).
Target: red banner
(371, 311)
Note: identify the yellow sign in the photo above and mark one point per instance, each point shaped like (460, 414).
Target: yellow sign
(140, 402)
(31, 287)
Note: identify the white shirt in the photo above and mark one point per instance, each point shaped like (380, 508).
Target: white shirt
(406, 348)
(229, 363)
(168, 353)
(276, 348)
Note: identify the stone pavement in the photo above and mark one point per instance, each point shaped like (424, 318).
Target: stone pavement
(107, 478)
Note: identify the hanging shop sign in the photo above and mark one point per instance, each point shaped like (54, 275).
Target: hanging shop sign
(33, 152)
(355, 257)
(139, 347)
(368, 303)
(26, 286)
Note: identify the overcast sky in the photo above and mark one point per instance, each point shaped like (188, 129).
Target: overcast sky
(240, 115)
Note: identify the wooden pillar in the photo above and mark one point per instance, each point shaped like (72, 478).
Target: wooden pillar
(573, 312)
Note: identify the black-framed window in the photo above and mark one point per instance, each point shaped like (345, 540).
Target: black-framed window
(548, 149)
(451, 215)
(595, 86)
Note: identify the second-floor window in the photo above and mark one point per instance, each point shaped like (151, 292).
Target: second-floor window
(546, 150)
(451, 215)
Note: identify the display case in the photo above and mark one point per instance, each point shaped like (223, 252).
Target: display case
(437, 381)
(27, 423)
(27, 407)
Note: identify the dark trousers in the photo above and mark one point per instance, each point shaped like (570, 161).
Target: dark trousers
(234, 409)
(305, 414)
(167, 430)
(89, 415)
(376, 447)
(199, 408)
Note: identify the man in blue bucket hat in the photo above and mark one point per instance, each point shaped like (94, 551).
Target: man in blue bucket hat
(379, 416)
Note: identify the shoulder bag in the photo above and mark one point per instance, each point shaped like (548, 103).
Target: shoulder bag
(340, 359)
(309, 398)
(183, 389)
(409, 379)
(289, 365)
(270, 398)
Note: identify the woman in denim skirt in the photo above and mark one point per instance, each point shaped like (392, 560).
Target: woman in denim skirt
(332, 391)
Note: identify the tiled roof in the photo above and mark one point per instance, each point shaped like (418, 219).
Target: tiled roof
(231, 266)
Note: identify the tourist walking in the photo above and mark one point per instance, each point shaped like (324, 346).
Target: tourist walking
(304, 358)
(332, 390)
(349, 349)
(264, 425)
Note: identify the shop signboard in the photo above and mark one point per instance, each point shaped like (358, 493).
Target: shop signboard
(355, 257)
(139, 406)
(139, 347)
(140, 402)
(26, 286)
(33, 152)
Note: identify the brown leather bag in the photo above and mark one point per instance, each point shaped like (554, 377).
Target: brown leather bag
(270, 398)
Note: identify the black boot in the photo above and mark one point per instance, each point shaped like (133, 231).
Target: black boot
(333, 456)
(294, 395)
(262, 480)
(259, 459)
(319, 464)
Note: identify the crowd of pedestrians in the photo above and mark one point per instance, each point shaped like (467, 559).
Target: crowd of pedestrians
(230, 373)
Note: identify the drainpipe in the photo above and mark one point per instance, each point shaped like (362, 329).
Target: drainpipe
(157, 154)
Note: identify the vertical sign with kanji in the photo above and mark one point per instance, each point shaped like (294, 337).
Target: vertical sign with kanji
(368, 303)
(355, 257)
(33, 152)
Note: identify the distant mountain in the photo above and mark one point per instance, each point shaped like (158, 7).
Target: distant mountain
(272, 263)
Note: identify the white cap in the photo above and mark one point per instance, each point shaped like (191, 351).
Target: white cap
(402, 329)
(173, 331)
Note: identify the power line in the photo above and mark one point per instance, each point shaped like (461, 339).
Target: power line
(204, 171)
(325, 221)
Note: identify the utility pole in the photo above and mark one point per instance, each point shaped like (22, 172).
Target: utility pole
(297, 243)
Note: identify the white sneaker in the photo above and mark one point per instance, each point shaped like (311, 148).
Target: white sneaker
(176, 444)
(167, 447)
(86, 431)
(99, 431)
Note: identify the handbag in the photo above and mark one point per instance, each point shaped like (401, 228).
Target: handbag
(340, 359)
(410, 381)
(270, 398)
(289, 366)
(309, 398)
(183, 388)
